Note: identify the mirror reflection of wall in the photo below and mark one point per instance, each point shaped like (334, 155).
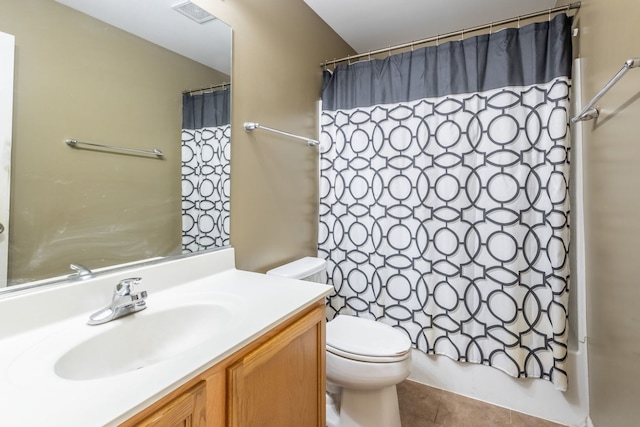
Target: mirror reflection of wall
(77, 77)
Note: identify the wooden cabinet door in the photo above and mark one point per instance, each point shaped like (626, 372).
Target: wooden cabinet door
(282, 382)
(186, 410)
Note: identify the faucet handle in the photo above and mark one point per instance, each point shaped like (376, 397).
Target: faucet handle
(124, 287)
(141, 296)
(139, 300)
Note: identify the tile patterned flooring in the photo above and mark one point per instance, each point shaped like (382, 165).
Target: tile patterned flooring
(424, 406)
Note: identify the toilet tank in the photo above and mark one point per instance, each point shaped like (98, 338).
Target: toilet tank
(308, 268)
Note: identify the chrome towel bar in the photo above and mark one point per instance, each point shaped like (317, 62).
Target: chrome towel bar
(251, 126)
(74, 143)
(590, 111)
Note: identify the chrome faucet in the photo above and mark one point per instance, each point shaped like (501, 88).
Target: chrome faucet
(124, 302)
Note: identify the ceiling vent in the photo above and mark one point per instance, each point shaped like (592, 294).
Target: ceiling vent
(193, 12)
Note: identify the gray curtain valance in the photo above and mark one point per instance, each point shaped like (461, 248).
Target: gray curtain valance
(511, 57)
(206, 110)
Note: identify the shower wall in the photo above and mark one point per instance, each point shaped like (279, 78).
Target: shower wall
(610, 36)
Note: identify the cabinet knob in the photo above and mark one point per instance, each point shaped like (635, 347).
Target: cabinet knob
(1, 228)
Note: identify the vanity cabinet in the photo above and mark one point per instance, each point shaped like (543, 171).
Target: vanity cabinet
(188, 410)
(276, 380)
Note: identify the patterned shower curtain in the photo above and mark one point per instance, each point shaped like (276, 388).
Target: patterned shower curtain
(205, 170)
(444, 206)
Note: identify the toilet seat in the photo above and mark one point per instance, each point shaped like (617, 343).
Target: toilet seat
(366, 340)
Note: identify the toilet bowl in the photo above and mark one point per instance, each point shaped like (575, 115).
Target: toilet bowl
(365, 360)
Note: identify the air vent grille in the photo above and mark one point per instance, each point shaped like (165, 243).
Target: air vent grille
(193, 12)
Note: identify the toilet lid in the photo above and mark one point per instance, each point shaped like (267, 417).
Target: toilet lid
(366, 340)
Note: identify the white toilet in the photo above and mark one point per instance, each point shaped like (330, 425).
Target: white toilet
(365, 361)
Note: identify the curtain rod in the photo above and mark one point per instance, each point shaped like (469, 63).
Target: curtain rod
(568, 7)
(202, 89)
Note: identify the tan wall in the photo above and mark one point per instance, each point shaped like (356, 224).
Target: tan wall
(609, 35)
(277, 48)
(78, 205)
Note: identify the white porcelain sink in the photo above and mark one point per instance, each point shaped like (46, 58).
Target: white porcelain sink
(143, 339)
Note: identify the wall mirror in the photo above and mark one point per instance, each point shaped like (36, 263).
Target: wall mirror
(115, 74)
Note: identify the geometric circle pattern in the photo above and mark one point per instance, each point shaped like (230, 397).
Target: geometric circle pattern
(205, 188)
(448, 218)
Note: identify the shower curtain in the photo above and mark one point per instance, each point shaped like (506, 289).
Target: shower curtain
(205, 170)
(444, 206)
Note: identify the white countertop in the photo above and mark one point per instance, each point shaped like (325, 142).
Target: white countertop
(32, 394)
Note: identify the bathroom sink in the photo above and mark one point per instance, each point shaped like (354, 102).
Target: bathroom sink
(143, 339)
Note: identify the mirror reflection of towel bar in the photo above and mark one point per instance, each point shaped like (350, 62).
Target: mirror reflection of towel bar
(74, 143)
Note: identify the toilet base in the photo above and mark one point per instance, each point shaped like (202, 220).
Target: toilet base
(333, 414)
(367, 408)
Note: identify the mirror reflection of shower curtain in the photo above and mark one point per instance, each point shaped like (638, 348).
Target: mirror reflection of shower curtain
(444, 196)
(205, 170)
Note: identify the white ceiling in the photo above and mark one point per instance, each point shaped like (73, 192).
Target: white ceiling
(368, 25)
(157, 22)
(365, 25)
